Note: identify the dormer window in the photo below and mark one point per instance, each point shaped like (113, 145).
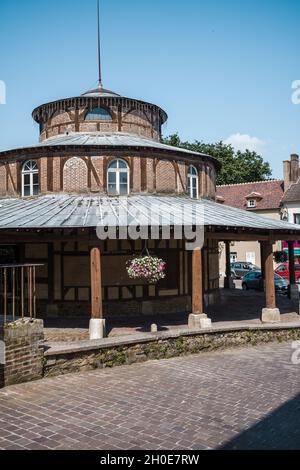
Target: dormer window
(252, 199)
(251, 203)
(98, 114)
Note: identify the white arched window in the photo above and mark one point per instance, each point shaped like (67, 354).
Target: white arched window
(30, 178)
(98, 114)
(118, 178)
(193, 187)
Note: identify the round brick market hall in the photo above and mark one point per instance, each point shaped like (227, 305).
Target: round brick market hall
(100, 166)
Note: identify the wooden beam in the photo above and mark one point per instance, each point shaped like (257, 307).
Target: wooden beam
(228, 267)
(269, 274)
(232, 236)
(248, 236)
(51, 271)
(197, 287)
(262, 259)
(96, 284)
(291, 262)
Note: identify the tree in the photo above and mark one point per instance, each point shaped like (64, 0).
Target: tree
(237, 167)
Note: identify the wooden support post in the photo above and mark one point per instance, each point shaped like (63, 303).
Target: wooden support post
(227, 279)
(291, 262)
(96, 284)
(270, 314)
(97, 322)
(269, 275)
(197, 286)
(293, 287)
(198, 319)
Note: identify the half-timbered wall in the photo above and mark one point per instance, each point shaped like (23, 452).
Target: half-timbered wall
(63, 279)
(88, 175)
(129, 120)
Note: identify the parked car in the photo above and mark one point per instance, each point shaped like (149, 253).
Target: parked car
(254, 280)
(240, 268)
(283, 270)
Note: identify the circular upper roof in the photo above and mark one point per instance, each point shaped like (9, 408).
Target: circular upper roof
(88, 99)
(100, 92)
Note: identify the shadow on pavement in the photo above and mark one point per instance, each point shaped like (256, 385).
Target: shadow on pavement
(279, 430)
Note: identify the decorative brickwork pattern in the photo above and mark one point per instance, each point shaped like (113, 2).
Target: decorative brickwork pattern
(75, 175)
(165, 177)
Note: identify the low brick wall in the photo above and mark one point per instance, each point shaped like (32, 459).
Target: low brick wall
(113, 352)
(23, 352)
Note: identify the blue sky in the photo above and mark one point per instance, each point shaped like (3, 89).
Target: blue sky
(221, 69)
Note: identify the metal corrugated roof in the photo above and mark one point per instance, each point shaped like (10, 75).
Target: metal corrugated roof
(99, 93)
(66, 211)
(108, 140)
(99, 143)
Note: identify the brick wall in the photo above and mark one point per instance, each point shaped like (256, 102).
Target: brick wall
(133, 121)
(165, 177)
(88, 174)
(75, 175)
(24, 352)
(97, 180)
(136, 176)
(11, 179)
(3, 188)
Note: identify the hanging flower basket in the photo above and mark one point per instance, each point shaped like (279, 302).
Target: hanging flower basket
(147, 268)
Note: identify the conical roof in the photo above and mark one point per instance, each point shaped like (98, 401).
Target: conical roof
(100, 92)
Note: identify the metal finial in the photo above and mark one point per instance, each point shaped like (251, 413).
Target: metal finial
(99, 46)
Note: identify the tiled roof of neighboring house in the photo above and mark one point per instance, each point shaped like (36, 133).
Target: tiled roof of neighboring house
(268, 194)
(293, 193)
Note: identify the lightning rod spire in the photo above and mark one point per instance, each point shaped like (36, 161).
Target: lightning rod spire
(99, 47)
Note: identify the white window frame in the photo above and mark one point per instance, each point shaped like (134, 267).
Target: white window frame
(118, 171)
(296, 218)
(251, 203)
(31, 171)
(191, 177)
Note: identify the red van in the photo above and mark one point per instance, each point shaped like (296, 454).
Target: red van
(283, 270)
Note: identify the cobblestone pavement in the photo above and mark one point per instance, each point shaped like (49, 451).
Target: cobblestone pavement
(240, 398)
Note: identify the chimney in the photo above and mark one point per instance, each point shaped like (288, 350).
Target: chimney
(294, 168)
(287, 174)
